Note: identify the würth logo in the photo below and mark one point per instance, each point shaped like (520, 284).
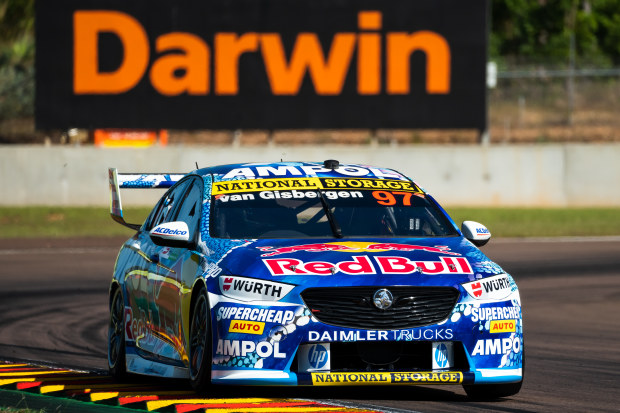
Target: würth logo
(184, 63)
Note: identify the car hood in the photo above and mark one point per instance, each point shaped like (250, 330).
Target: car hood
(448, 261)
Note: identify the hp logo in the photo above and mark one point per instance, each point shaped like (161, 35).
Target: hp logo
(318, 357)
(441, 355)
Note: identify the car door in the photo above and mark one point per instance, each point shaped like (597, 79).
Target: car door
(171, 280)
(147, 313)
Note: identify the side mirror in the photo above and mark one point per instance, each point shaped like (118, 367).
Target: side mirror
(171, 234)
(477, 233)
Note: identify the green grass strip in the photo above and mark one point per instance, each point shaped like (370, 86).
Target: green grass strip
(29, 222)
(542, 222)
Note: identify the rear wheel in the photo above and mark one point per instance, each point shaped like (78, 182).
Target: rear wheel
(116, 337)
(200, 343)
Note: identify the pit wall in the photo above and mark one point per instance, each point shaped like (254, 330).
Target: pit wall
(545, 175)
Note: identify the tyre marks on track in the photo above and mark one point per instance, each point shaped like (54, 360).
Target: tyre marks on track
(158, 397)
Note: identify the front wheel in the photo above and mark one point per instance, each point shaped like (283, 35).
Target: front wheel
(116, 337)
(492, 391)
(200, 343)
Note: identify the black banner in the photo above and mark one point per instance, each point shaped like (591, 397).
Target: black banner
(266, 64)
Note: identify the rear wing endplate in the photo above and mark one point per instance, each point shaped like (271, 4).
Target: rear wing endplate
(135, 180)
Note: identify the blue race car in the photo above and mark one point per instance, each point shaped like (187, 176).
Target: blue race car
(315, 274)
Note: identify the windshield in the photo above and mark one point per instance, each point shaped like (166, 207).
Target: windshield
(352, 209)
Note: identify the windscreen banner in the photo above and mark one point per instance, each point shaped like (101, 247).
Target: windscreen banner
(266, 64)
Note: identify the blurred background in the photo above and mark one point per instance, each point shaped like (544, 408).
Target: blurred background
(554, 76)
(552, 143)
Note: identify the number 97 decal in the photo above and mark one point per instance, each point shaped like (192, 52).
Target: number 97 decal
(390, 198)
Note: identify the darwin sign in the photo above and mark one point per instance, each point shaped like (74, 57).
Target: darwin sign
(272, 64)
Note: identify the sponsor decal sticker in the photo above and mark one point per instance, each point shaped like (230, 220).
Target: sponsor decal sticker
(369, 184)
(490, 288)
(503, 326)
(168, 231)
(381, 335)
(443, 355)
(310, 183)
(318, 356)
(247, 327)
(331, 379)
(242, 348)
(354, 247)
(134, 328)
(252, 289)
(255, 314)
(310, 170)
(257, 185)
(494, 313)
(495, 346)
(363, 265)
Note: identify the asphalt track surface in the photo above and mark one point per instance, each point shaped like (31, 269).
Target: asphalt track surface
(53, 306)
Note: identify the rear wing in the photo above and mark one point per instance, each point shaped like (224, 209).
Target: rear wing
(135, 180)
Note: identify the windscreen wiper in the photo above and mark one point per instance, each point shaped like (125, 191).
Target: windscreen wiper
(330, 216)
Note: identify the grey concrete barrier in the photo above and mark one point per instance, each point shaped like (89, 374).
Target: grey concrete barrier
(553, 175)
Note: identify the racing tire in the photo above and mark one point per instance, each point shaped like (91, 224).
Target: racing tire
(116, 337)
(495, 391)
(492, 391)
(200, 343)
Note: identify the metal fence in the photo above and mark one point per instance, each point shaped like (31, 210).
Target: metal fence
(529, 104)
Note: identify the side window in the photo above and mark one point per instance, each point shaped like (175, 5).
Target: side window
(189, 211)
(167, 205)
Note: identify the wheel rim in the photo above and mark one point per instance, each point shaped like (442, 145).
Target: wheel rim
(198, 337)
(115, 330)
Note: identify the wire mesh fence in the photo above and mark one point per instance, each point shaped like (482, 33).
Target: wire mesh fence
(529, 104)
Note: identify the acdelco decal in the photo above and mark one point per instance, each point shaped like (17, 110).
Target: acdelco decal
(490, 288)
(252, 289)
(193, 55)
(362, 264)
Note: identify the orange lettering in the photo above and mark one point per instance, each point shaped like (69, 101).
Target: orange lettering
(184, 61)
(327, 77)
(194, 62)
(369, 54)
(86, 28)
(400, 46)
(228, 49)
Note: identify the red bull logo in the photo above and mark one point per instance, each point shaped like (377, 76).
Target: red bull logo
(355, 247)
(363, 264)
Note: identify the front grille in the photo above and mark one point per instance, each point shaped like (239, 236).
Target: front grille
(386, 356)
(353, 307)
